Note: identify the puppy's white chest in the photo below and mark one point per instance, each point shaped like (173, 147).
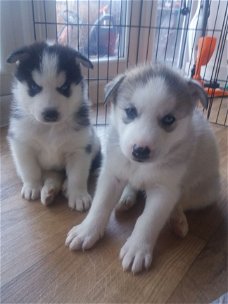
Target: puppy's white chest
(49, 149)
(143, 177)
(51, 157)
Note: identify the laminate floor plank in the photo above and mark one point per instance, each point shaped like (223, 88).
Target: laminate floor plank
(36, 267)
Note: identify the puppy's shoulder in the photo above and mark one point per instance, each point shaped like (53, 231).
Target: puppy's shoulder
(202, 128)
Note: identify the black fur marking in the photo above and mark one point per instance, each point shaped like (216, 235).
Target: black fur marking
(30, 62)
(96, 162)
(34, 88)
(81, 117)
(65, 89)
(88, 149)
(67, 63)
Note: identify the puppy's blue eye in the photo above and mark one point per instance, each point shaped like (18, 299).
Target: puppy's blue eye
(168, 120)
(131, 113)
(34, 88)
(64, 89)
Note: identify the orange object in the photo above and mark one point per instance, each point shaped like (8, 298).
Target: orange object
(206, 47)
(216, 92)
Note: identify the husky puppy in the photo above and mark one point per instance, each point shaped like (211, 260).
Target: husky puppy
(160, 143)
(50, 133)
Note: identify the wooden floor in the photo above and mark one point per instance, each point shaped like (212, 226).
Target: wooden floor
(36, 267)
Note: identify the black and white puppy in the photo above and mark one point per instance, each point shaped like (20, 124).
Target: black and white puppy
(160, 143)
(50, 133)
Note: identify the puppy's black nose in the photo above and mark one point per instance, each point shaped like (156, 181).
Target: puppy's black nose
(140, 154)
(50, 115)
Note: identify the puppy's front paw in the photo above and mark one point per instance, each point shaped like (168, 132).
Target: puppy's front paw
(136, 255)
(77, 199)
(48, 193)
(31, 191)
(80, 201)
(84, 236)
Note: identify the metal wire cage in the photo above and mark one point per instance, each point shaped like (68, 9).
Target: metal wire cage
(117, 34)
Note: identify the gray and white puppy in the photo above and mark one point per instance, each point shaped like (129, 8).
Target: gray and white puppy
(50, 133)
(160, 143)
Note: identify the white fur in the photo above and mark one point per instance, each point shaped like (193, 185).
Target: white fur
(43, 151)
(174, 181)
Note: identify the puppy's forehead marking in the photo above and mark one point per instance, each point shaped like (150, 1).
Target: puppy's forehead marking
(48, 72)
(49, 64)
(152, 93)
(56, 80)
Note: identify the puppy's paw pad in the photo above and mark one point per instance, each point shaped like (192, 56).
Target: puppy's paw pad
(48, 194)
(79, 201)
(30, 191)
(136, 256)
(83, 236)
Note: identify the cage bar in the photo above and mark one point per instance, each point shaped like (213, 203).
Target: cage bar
(165, 27)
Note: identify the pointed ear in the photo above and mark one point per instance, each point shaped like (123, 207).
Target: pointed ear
(83, 60)
(197, 92)
(18, 55)
(112, 87)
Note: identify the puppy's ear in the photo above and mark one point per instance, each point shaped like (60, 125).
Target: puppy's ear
(112, 87)
(18, 55)
(83, 60)
(197, 92)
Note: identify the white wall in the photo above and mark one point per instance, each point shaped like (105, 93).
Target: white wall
(16, 30)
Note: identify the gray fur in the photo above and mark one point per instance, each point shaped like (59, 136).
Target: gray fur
(187, 93)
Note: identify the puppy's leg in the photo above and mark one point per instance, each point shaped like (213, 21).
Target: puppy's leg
(52, 185)
(28, 169)
(77, 169)
(128, 198)
(136, 254)
(179, 222)
(108, 192)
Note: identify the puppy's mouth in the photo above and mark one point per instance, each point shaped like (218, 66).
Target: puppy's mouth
(139, 160)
